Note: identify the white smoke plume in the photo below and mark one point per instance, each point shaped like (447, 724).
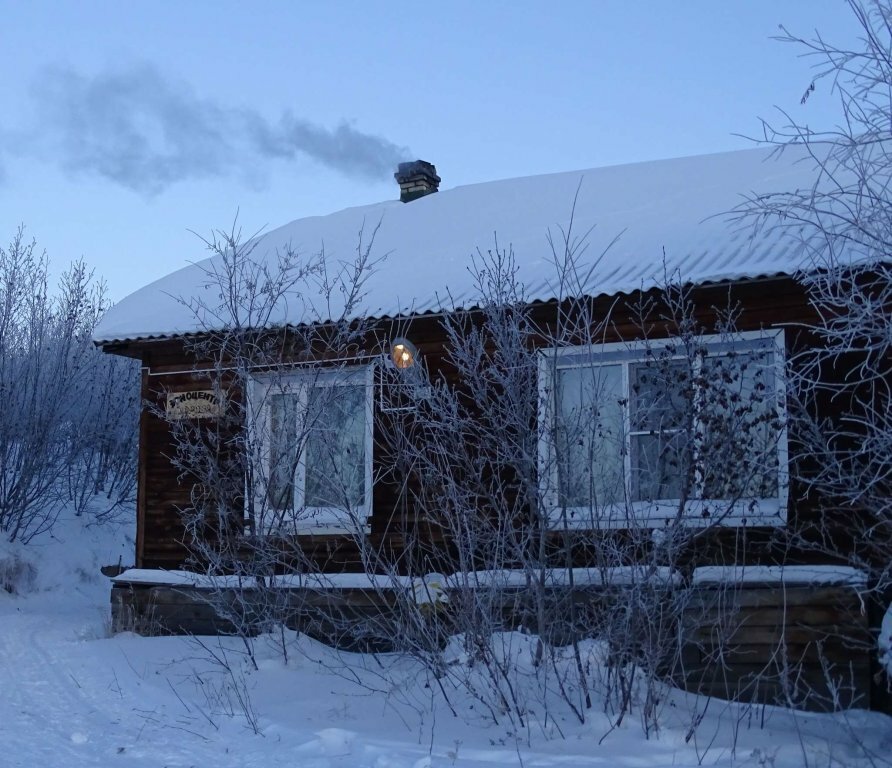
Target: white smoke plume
(145, 132)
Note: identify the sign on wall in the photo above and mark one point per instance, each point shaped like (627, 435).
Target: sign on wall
(196, 404)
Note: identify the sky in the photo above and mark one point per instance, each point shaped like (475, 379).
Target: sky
(129, 131)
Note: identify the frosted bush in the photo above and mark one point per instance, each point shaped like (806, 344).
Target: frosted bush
(17, 575)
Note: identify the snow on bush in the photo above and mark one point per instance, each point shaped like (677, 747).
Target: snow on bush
(69, 416)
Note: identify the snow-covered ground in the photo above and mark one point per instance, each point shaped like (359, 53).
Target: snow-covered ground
(71, 695)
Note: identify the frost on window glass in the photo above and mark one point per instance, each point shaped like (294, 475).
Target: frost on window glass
(335, 473)
(739, 427)
(283, 450)
(316, 449)
(590, 436)
(638, 429)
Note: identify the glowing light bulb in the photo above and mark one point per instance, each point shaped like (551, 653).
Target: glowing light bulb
(402, 354)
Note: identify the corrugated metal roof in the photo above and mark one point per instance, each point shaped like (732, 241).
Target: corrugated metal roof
(632, 225)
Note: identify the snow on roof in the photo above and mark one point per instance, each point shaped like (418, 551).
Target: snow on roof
(625, 218)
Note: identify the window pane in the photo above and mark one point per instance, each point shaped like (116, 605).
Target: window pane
(658, 465)
(740, 427)
(335, 465)
(590, 436)
(660, 395)
(283, 450)
(661, 406)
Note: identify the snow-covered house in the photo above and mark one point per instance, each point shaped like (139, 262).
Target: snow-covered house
(629, 231)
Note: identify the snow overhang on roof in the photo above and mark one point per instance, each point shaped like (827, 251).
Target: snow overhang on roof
(632, 223)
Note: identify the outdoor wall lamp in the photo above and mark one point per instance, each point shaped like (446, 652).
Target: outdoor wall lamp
(403, 353)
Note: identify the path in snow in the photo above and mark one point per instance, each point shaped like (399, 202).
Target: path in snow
(62, 699)
(69, 699)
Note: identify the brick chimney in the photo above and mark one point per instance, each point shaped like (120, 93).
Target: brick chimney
(416, 179)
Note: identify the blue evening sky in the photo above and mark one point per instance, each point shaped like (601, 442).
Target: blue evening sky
(126, 125)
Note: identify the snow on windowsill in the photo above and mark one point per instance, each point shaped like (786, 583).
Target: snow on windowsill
(561, 577)
(556, 577)
(780, 574)
(151, 577)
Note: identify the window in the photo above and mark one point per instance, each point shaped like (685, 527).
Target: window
(648, 434)
(313, 432)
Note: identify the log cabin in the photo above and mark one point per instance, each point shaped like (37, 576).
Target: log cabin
(596, 360)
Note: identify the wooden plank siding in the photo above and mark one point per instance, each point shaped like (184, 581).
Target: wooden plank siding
(806, 646)
(763, 642)
(763, 305)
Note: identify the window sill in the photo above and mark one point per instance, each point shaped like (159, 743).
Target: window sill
(663, 513)
(319, 522)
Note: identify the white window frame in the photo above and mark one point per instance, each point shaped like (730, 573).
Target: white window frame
(312, 520)
(654, 514)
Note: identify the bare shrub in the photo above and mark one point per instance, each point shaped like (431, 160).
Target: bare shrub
(270, 466)
(840, 387)
(100, 478)
(522, 464)
(514, 524)
(67, 428)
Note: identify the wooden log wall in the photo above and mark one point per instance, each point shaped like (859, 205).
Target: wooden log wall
(805, 646)
(399, 531)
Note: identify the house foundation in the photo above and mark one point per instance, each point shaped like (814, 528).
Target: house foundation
(761, 639)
